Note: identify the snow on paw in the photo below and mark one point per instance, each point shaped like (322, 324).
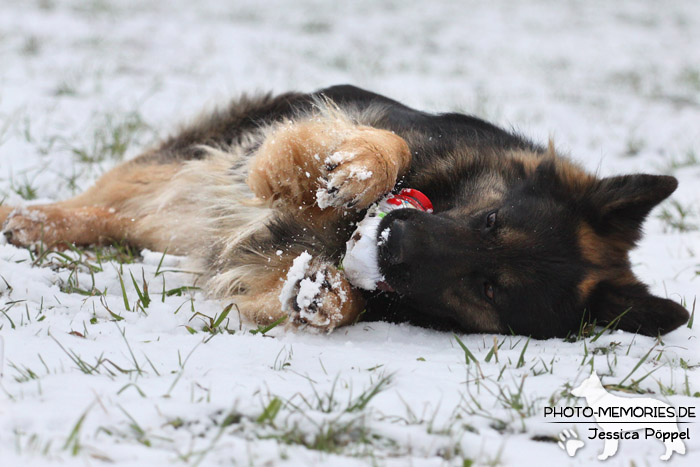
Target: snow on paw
(315, 295)
(362, 170)
(347, 181)
(25, 227)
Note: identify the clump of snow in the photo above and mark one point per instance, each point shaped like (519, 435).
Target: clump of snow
(361, 263)
(360, 173)
(296, 273)
(309, 288)
(33, 215)
(323, 198)
(339, 157)
(383, 237)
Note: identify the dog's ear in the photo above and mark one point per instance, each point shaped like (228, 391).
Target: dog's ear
(619, 205)
(635, 309)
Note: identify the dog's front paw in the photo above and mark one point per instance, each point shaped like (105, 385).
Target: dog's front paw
(350, 180)
(362, 170)
(317, 296)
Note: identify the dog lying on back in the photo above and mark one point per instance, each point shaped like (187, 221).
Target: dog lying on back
(521, 240)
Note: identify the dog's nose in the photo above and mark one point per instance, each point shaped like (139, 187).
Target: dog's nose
(8, 235)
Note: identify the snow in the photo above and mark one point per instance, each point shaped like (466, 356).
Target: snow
(384, 237)
(359, 173)
(83, 84)
(324, 199)
(360, 262)
(308, 290)
(339, 157)
(296, 276)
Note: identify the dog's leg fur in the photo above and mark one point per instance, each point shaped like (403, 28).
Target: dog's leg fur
(336, 303)
(344, 164)
(329, 162)
(312, 165)
(54, 225)
(104, 213)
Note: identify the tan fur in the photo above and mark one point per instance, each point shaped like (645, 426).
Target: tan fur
(607, 255)
(593, 249)
(573, 175)
(4, 212)
(598, 250)
(588, 283)
(568, 172)
(55, 226)
(338, 306)
(294, 162)
(204, 205)
(528, 159)
(97, 216)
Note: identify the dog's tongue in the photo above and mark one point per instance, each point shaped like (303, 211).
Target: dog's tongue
(384, 286)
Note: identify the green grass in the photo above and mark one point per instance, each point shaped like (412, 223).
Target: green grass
(319, 420)
(24, 188)
(634, 146)
(678, 217)
(111, 138)
(690, 77)
(677, 162)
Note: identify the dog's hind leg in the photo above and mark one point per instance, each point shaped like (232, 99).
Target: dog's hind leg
(55, 226)
(104, 213)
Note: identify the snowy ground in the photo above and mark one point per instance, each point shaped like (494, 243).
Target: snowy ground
(87, 379)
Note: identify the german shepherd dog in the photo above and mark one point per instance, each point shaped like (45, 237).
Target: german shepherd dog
(521, 240)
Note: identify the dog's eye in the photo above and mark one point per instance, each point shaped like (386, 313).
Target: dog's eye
(491, 219)
(488, 291)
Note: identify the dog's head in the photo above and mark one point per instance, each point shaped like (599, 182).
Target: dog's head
(529, 245)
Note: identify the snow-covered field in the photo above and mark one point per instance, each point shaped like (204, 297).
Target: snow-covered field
(90, 374)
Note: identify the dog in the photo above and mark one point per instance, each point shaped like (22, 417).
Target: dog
(613, 427)
(522, 240)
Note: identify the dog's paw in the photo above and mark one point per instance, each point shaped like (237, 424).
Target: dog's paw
(328, 163)
(362, 170)
(347, 181)
(317, 296)
(25, 227)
